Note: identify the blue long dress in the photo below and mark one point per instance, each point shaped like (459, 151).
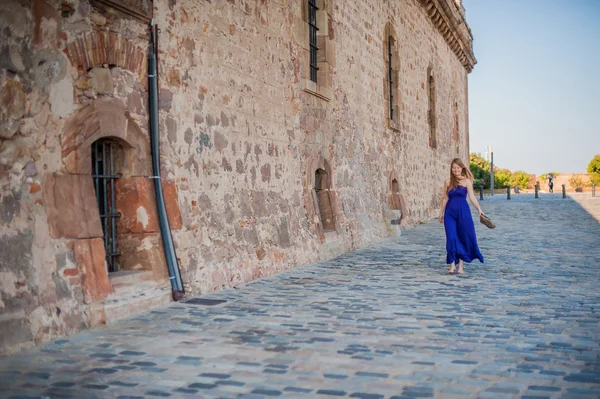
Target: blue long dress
(461, 242)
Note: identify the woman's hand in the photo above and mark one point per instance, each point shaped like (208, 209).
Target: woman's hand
(481, 212)
(441, 218)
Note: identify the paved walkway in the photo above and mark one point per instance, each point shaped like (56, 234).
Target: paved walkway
(382, 322)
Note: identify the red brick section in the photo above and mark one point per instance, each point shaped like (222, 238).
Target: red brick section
(90, 258)
(96, 48)
(137, 194)
(137, 205)
(172, 205)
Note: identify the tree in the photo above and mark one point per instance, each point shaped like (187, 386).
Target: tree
(594, 169)
(520, 179)
(501, 177)
(480, 169)
(545, 175)
(576, 182)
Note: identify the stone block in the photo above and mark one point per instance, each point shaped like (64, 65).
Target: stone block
(172, 205)
(10, 207)
(12, 100)
(90, 257)
(143, 252)
(136, 201)
(326, 51)
(101, 80)
(14, 332)
(71, 207)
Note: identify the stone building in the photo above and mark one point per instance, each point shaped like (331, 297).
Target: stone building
(290, 131)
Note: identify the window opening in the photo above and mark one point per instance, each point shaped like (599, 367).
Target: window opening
(456, 128)
(312, 23)
(324, 200)
(431, 112)
(103, 173)
(390, 75)
(395, 187)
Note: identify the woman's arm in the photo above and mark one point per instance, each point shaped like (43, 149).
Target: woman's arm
(444, 201)
(472, 197)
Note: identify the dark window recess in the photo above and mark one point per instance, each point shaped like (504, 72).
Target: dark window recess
(324, 200)
(431, 112)
(395, 204)
(395, 187)
(312, 38)
(390, 77)
(103, 171)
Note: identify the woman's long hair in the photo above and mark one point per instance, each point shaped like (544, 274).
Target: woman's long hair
(465, 172)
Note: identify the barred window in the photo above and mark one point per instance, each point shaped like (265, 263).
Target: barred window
(390, 77)
(312, 31)
(431, 117)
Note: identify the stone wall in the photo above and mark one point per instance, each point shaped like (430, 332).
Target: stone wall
(565, 179)
(263, 169)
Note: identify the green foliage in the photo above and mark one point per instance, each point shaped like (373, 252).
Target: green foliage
(594, 169)
(477, 183)
(576, 181)
(481, 171)
(502, 177)
(519, 178)
(545, 175)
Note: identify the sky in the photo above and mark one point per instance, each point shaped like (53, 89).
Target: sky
(534, 94)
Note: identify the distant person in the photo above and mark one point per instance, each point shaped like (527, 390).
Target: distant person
(551, 182)
(461, 242)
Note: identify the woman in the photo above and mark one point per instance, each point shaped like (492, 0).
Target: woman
(461, 243)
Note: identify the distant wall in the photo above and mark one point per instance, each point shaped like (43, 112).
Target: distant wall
(564, 179)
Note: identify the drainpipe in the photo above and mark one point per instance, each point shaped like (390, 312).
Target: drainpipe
(165, 229)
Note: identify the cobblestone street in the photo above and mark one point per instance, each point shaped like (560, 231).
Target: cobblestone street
(386, 321)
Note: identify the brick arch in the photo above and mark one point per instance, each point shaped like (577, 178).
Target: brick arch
(106, 48)
(318, 167)
(395, 198)
(105, 117)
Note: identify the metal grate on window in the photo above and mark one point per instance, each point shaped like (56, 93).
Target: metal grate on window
(312, 38)
(390, 78)
(103, 173)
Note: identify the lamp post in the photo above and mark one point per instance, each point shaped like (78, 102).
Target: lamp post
(492, 173)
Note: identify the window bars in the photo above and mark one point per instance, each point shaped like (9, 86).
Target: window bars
(103, 173)
(312, 38)
(390, 78)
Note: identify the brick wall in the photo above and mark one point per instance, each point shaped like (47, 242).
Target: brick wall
(243, 132)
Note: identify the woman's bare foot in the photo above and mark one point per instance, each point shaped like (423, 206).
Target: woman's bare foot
(460, 267)
(452, 269)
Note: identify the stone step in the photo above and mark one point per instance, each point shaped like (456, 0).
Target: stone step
(131, 276)
(120, 306)
(130, 282)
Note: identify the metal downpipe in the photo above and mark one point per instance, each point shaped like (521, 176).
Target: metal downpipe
(165, 229)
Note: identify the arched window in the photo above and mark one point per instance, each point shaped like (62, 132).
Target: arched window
(431, 117)
(395, 202)
(392, 80)
(106, 153)
(456, 129)
(322, 187)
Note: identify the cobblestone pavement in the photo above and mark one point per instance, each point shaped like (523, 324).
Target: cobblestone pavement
(382, 322)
